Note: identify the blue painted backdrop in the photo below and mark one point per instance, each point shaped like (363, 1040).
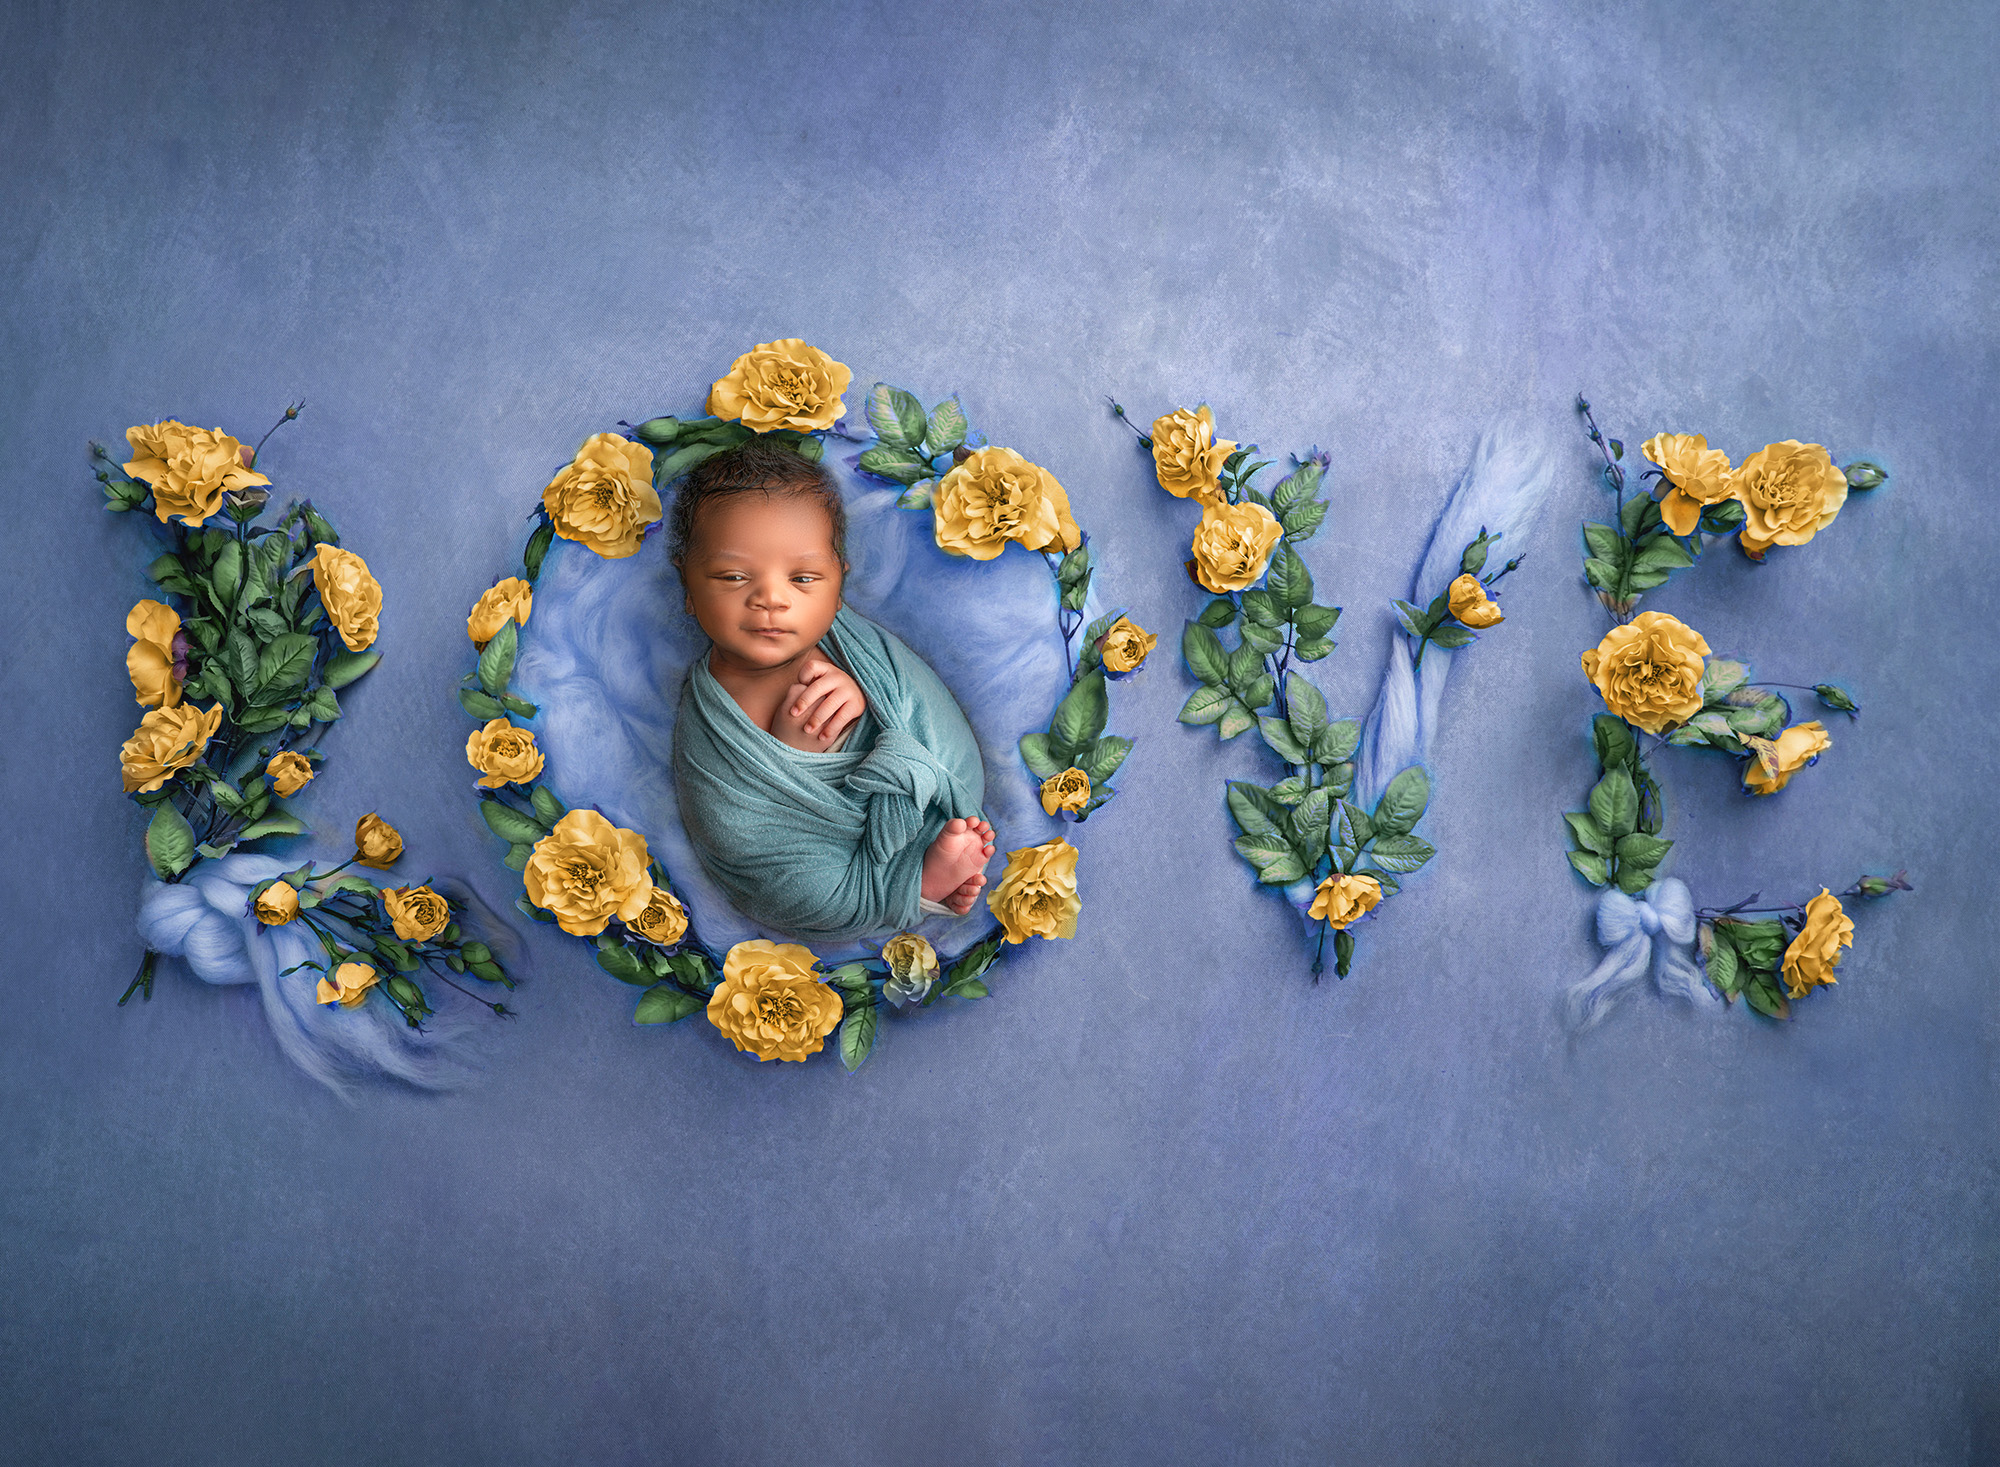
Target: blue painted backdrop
(1161, 1199)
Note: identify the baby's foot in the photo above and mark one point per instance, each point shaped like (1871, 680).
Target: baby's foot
(955, 861)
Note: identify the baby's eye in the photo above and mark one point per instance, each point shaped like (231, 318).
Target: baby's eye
(806, 580)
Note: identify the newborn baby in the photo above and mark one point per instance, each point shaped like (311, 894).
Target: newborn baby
(826, 778)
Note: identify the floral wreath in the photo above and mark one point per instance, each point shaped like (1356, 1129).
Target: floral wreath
(271, 622)
(600, 882)
(1302, 832)
(1661, 682)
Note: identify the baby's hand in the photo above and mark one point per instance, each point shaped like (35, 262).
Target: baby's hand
(819, 708)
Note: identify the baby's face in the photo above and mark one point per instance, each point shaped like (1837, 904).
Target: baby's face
(762, 578)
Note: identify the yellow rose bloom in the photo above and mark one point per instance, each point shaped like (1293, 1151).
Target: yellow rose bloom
(1815, 952)
(1471, 605)
(376, 842)
(1780, 758)
(349, 594)
(769, 1002)
(1695, 475)
(604, 497)
(512, 598)
(1069, 790)
(1649, 671)
(349, 985)
(289, 773)
(782, 384)
(1344, 898)
(1233, 544)
(908, 956)
(189, 468)
(1036, 895)
(1126, 645)
(166, 741)
(1790, 491)
(503, 753)
(665, 920)
(588, 871)
(1187, 456)
(150, 660)
(416, 912)
(277, 904)
(995, 496)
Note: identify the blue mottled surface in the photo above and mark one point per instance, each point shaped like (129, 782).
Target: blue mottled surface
(1159, 1200)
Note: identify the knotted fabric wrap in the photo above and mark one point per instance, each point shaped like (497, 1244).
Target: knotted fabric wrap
(1654, 932)
(206, 922)
(827, 846)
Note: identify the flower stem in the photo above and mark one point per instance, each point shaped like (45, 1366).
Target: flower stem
(1118, 412)
(142, 981)
(291, 411)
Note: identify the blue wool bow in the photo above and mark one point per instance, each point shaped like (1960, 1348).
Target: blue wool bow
(1657, 932)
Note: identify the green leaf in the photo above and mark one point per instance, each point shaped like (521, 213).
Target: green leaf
(975, 960)
(1246, 665)
(510, 824)
(537, 550)
(1472, 560)
(548, 809)
(1720, 519)
(1288, 791)
(520, 706)
(323, 706)
(1315, 621)
(1764, 719)
(1614, 804)
(896, 416)
(267, 622)
(534, 913)
(967, 988)
(1605, 543)
(690, 456)
(1035, 752)
(1305, 709)
(1403, 802)
(1601, 573)
(1220, 612)
(1309, 823)
(1356, 829)
(1664, 553)
(1313, 649)
(263, 720)
(1641, 849)
(1336, 743)
(1235, 720)
(1634, 515)
(496, 663)
(1401, 853)
(1721, 677)
(1276, 862)
(1203, 652)
(478, 704)
(1761, 944)
(1289, 580)
(665, 1004)
(1204, 705)
(1105, 757)
(277, 822)
(1587, 834)
(1278, 734)
(857, 1035)
(1265, 640)
(344, 667)
(1645, 580)
(1766, 997)
(517, 857)
(620, 961)
(169, 842)
(1593, 869)
(1725, 969)
(947, 427)
(1452, 635)
(285, 661)
(1252, 808)
(899, 464)
(1632, 879)
(1413, 619)
(1074, 568)
(1612, 736)
(227, 574)
(1298, 486)
(1080, 717)
(1302, 522)
(1260, 606)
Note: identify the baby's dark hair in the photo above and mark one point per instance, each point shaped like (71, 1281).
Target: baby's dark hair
(757, 466)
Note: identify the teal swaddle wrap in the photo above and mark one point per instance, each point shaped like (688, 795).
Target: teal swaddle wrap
(828, 846)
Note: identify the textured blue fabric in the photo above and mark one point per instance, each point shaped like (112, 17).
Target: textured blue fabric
(828, 845)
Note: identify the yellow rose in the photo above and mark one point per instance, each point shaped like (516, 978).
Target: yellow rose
(289, 773)
(277, 904)
(1069, 790)
(150, 660)
(1695, 475)
(1343, 898)
(1815, 952)
(1649, 671)
(349, 985)
(1187, 457)
(588, 871)
(664, 921)
(1126, 645)
(1780, 758)
(604, 497)
(512, 597)
(416, 912)
(995, 496)
(350, 595)
(189, 468)
(166, 741)
(908, 956)
(1790, 491)
(1232, 545)
(502, 753)
(1036, 895)
(770, 1004)
(782, 384)
(1471, 605)
(376, 842)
